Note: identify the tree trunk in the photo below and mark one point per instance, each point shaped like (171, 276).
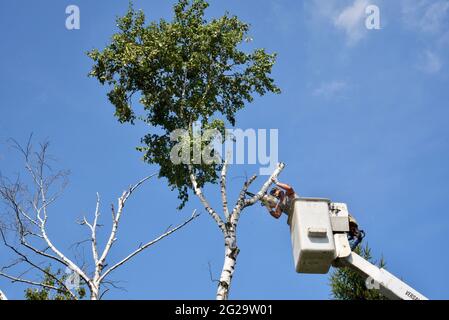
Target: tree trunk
(230, 260)
(2, 296)
(94, 296)
(229, 227)
(94, 292)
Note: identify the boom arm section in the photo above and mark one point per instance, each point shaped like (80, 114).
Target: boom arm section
(379, 278)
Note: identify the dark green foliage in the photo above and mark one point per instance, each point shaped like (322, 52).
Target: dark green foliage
(51, 294)
(349, 285)
(183, 71)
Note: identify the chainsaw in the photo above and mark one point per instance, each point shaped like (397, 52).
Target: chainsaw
(267, 200)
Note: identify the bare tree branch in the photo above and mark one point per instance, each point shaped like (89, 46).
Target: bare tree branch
(116, 219)
(42, 252)
(148, 244)
(266, 185)
(103, 293)
(94, 230)
(24, 258)
(39, 284)
(205, 203)
(240, 205)
(42, 185)
(31, 224)
(210, 273)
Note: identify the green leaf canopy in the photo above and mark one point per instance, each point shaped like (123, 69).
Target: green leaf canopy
(184, 71)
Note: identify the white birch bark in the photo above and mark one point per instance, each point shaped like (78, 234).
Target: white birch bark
(32, 228)
(2, 296)
(95, 282)
(229, 264)
(229, 228)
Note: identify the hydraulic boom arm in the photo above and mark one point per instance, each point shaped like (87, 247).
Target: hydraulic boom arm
(379, 278)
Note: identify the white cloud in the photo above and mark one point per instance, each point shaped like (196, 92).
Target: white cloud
(427, 16)
(330, 89)
(430, 20)
(351, 21)
(430, 63)
(346, 16)
(435, 17)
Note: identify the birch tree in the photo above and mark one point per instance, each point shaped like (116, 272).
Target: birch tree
(2, 296)
(228, 224)
(182, 72)
(30, 205)
(186, 71)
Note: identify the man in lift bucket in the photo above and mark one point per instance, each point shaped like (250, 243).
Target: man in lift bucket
(284, 194)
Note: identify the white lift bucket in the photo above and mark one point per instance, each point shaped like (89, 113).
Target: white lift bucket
(318, 230)
(312, 235)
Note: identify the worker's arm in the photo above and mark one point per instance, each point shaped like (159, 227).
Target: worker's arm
(288, 189)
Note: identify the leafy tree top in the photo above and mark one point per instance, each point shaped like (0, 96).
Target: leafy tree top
(184, 71)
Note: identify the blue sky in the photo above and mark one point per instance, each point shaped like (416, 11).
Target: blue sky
(362, 119)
